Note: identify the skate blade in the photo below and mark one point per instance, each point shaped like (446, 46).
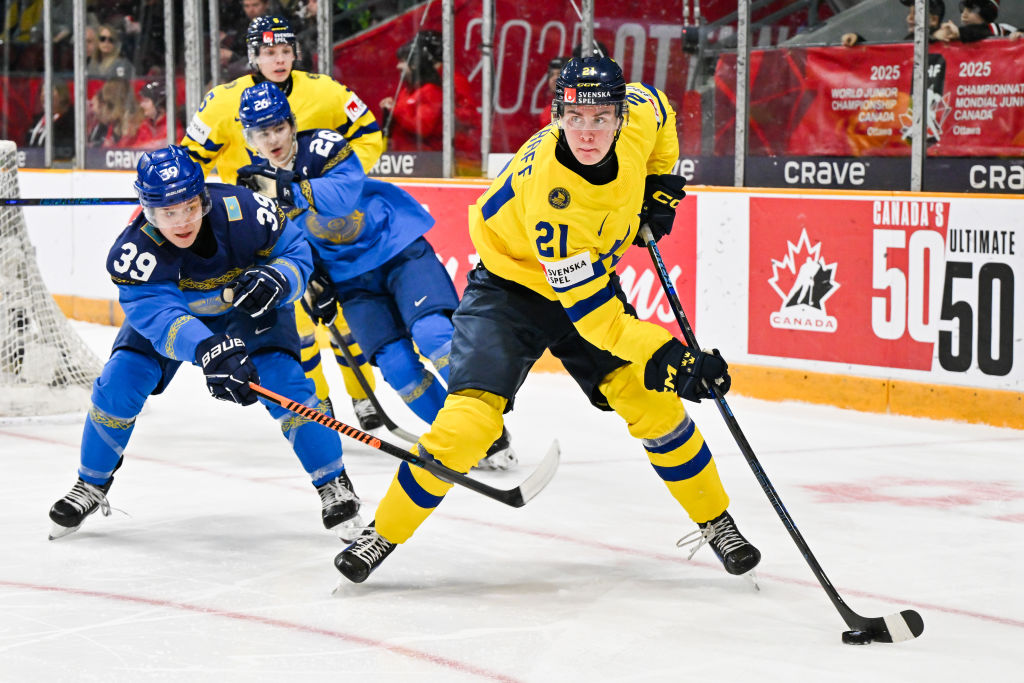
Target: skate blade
(751, 576)
(58, 531)
(350, 529)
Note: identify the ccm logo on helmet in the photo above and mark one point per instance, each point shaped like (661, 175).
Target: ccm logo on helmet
(167, 173)
(664, 198)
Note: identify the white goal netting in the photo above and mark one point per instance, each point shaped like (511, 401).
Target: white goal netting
(45, 367)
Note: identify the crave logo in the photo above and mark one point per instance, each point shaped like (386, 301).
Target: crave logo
(804, 281)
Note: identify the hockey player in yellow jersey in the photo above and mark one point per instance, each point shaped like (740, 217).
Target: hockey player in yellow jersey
(549, 232)
(214, 138)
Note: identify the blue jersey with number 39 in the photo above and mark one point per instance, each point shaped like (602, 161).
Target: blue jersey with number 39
(166, 291)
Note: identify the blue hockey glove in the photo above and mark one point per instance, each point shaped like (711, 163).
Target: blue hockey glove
(662, 194)
(321, 298)
(259, 289)
(675, 367)
(227, 367)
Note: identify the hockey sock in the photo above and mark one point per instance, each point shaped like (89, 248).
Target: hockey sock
(673, 443)
(433, 335)
(401, 367)
(459, 437)
(317, 447)
(118, 394)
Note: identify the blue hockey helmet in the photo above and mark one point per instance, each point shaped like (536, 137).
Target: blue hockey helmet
(167, 177)
(263, 105)
(587, 82)
(266, 31)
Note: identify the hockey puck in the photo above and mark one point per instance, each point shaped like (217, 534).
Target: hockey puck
(856, 637)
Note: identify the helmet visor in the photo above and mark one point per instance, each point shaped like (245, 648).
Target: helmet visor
(588, 117)
(179, 215)
(271, 136)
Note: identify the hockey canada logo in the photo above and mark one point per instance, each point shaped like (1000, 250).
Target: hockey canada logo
(804, 282)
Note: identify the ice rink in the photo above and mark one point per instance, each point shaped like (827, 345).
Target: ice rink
(215, 567)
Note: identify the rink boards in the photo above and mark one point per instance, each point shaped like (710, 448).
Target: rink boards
(884, 302)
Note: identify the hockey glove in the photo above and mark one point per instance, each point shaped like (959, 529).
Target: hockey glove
(321, 299)
(227, 367)
(260, 289)
(675, 367)
(662, 194)
(282, 178)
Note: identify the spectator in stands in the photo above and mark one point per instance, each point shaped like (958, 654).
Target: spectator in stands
(63, 123)
(936, 13)
(306, 35)
(467, 114)
(153, 103)
(109, 63)
(977, 22)
(412, 120)
(554, 69)
(119, 111)
(236, 32)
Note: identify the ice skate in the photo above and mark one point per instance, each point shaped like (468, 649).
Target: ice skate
(340, 507)
(500, 455)
(367, 414)
(68, 513)
(360, 559)
(736, 553)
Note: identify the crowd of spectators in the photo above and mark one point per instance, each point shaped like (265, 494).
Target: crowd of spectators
(125, 56)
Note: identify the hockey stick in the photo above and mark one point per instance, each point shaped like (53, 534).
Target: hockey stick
(517, 497)
(389, 424)
(67, 201)
(894, 628)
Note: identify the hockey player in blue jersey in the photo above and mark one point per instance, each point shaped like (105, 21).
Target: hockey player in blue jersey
(367, 238)
(195, 247)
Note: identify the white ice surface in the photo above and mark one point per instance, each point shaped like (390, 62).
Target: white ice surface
(221, 571)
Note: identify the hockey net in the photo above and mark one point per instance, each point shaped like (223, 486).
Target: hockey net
(45, 367)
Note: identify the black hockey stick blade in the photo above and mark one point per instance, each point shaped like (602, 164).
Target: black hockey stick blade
(894, 628)
(68, 201)
(516, 497)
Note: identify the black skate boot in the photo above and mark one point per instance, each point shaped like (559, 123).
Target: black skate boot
(339, 507)
(367, 414)
(500, 455)
(736, 553)
(360, 559)
(68, 513)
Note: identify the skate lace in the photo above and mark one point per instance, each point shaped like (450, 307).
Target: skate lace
(721, 535)
(334, 492)
(371, 547)
(83, 496)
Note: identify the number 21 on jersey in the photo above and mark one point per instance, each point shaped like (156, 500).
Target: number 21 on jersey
(546, 233)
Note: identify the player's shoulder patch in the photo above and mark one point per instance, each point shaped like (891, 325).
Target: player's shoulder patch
(638, 94)
(231, 206)
(198, 130)
(354, 107)
(570, 271)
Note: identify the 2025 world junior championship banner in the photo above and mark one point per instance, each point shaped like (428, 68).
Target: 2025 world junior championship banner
(929, 284)
(448, 203)
(835, 101)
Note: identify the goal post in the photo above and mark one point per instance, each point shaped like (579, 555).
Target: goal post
(45, 367)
